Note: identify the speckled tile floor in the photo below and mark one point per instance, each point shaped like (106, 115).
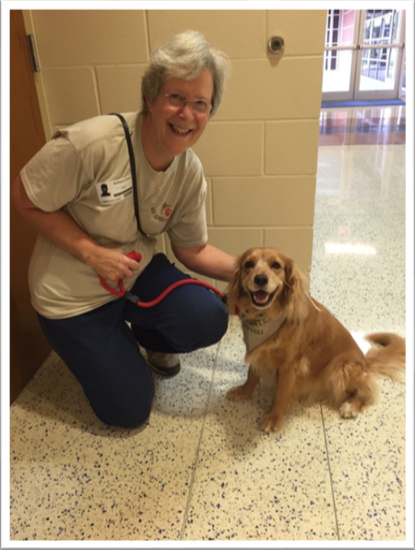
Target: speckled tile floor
(200, 470)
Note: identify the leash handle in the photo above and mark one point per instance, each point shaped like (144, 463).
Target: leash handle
(121, 289)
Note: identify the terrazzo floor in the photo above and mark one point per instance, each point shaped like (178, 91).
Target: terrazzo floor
(200, 470)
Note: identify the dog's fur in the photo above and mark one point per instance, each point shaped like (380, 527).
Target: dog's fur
(311, 355)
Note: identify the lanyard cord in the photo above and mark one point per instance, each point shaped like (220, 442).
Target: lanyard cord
(132, 168)
(122, 292)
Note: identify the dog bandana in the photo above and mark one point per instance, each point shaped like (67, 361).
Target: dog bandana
(259, 329)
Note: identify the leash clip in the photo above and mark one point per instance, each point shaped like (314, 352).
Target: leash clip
(131, 297)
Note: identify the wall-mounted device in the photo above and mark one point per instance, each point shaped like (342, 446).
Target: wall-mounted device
(276, 45)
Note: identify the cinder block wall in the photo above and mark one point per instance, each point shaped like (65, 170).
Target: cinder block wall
(259, 151)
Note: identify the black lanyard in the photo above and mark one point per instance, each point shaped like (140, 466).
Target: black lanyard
(132, 168)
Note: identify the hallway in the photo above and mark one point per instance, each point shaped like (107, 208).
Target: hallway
(201, 470)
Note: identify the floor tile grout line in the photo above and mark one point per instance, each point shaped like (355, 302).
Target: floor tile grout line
(199, 443)
(330, 474)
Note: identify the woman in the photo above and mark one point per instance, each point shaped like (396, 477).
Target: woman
(77, 192)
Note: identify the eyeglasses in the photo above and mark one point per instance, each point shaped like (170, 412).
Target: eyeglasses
(199, 106)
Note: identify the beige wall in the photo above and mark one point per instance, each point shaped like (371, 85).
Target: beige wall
(259, 151)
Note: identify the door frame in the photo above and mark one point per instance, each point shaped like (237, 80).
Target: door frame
(356, 49)
(28, 345)
(399, 45)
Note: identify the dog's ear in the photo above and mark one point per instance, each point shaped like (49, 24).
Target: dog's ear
(233, 290)
(290, 282)
(292, 295)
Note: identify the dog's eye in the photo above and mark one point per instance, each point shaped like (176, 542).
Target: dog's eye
(249, 264)
(276, 265)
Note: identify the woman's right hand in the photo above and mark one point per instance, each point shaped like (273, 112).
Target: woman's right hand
(112, 263)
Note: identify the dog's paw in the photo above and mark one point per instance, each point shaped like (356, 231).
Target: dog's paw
(239, 393)
(270, 423)
(347, 410)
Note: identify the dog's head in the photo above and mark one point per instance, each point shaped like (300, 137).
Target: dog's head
(265, 279)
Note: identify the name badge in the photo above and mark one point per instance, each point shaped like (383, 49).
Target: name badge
(110, 192)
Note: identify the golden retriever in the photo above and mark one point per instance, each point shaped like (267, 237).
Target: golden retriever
(296, 341)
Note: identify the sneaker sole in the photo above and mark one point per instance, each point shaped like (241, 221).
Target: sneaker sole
(165, 372)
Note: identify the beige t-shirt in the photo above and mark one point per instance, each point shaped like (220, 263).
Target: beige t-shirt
(85, 170)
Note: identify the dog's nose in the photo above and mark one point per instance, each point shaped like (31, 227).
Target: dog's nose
(261, 280)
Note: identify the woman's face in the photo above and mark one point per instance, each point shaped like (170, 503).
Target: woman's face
(170, 130)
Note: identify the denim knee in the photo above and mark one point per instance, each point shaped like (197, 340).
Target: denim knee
(204, 327)
(126, 413)
(218, 323)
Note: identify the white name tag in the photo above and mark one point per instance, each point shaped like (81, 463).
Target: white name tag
(110, 192)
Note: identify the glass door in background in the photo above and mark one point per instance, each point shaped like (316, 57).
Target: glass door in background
(364, 54)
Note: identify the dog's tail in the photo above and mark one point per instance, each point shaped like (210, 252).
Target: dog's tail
(387, 358)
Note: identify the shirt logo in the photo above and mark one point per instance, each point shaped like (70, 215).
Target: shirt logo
(163, 214)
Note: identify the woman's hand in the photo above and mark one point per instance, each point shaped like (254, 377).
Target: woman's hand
(112, 263)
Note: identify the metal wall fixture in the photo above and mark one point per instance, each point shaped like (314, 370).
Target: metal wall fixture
(276, 45)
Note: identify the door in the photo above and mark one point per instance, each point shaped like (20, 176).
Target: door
(28, 347)
(364, 54)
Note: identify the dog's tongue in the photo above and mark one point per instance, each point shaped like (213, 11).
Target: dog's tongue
(261, 296)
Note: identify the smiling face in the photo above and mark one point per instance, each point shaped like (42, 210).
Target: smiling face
(268, 283)
(262, 276)
(167, 130)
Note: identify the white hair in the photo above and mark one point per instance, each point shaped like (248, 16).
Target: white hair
(185, 56)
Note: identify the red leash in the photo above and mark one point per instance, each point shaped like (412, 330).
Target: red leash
(123, 293)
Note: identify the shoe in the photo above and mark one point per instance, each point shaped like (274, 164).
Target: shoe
(166, 365)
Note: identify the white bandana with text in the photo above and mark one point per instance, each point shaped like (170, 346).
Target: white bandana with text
(259, 329)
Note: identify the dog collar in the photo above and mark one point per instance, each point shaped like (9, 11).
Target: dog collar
(259, 329)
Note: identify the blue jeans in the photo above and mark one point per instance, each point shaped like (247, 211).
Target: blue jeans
(102, 352)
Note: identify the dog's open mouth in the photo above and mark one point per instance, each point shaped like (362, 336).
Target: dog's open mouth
(260, 298)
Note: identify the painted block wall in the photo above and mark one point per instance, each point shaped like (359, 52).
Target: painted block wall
(259, 151)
